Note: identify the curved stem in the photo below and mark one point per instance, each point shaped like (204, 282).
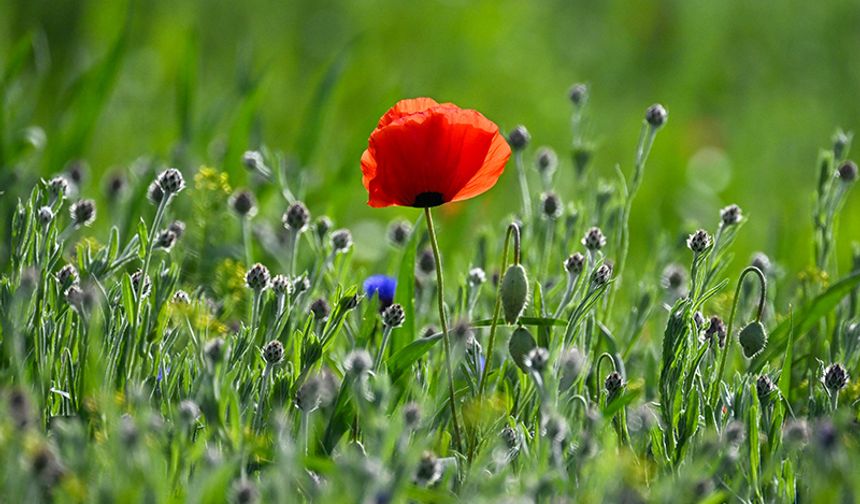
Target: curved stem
(762, 298)
(513, 230)
(446, 339)
(597, 374)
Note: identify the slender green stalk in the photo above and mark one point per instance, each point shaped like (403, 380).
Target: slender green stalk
(524, 187)
(386, 333)
(446, 339)
(246, 238)
(264, 391)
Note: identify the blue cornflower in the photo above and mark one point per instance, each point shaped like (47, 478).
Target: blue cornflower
(383, 286)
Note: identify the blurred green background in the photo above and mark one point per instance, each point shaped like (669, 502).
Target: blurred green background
(753, 92)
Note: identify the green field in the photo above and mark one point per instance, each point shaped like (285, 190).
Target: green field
(113, 389)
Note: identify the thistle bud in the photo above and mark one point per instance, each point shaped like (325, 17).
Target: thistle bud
(411, 415)
(519, 138)
(514, 292)
(753, 339)
(301, 284)
(181, 297)
(520, 345)
(764, 387)
(537, 359)
(572, 364)
(243, 203)
(296, 217)
(308, 395)
(273, 353)
(253, 160)
(115, 186)
(602, 275)
(140, 283)
(281, 285)
(171, 181)
(214, 350)
(848, 171)
(323, 225)
(358, 362)
(613, 385)
(341, 241)
(578, 94)
(165, 240)
(244, 492)
(699, 241)
(393, 316)
(551, 205)
(83, 212)
(574, 264)
(320, 309)
(429, 470)
(67, 276)
(594, 239)
(716, 331)
(45, 215)
(731, 215)
(178, 228)
(58, 186)
(835, 378)
(656, 115)
(476, 277)
(399, 232)
(154, 193)
(426, 262)
(546, 162)
(257, 278)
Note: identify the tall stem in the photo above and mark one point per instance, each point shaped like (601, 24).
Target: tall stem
(446, 340)
(246, 238)
(524, 188)
(386, 333)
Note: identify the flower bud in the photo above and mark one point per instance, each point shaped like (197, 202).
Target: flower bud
(178, 228)
(171, 181)
(848, 171)
(214, 350)
(753, 339)
(257, 278)
(320, 309)
(341, 241)
(323, 225)
(281, 285)
(429, 470)
(572, 364)
(520, 345)
(426, 262)
(83, 212)
(731, 215)
(296, 217)
(140, 283)
(514, 292)
(476, 277)
(546, 162)
(399, 232)
(519, 138)
(358, 362)
(115, 186)
(253, 160)
(58, 186)
(154, 193)
(165, 240)
(699, 241)
(181, 297)
(554, 428)
(551, 205)
(656, 115)
(411, 415)
(602, 274)
(613, 385)
(761, 261)
(594, 239)
(393, 316)
(273, 352)
(537, 359)
(835, 378)
(67, 276)
(243, 203)
(574, 264)
(578, 94)
(716, 331)
(308, 395)
(45, 216)
(764, 387)
(244, 492)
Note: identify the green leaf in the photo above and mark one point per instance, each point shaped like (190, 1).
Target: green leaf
(785, 376)
(806, 319)
(408, 355)
(752, 427)
(143, 238)
(405, 291)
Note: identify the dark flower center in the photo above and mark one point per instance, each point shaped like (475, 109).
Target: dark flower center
(428, 199)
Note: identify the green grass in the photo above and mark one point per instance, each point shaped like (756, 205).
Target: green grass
(113, 393)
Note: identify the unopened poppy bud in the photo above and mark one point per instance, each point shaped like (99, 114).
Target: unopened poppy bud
(656, 115)
(546, 161)
(522, 342)
(848, 171)
(181, 297)
(140, 283)
(731, 215)
(761, 261)
(253, 160)
(578, 94)
(178, 228)
(574, 264)
(594, 239)
(572, 364)
(835, 378)
(613, 384)
(399, 232)
(393, 316)
(83, 212)
(764, 387)
(257, 278)
(45, 215)
(699, 241)
(165, 240)
(536, 359)
(429, 470)
(58, 186)
(514, 292)
(426, 262)
(243, 203)
(716, 331)
(296, 217)
(171, 181)
(154, 193)
(341, 241)
(753, 339)
(358, 362)
(67, 276)
(214, 350)
(476, 277)
(551, 205)
(281, 285)
(273, 352)
(601, 275)
(323, 225)
(519, 138)
(320, 309)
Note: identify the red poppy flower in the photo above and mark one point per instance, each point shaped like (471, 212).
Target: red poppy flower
(423, 154)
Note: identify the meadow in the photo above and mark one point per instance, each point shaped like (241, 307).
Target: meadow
(611, 257)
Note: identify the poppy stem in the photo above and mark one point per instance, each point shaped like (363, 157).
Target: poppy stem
(446, 340)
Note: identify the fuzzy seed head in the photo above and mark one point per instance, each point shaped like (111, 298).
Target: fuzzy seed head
(320, 309)
(281, 285)
(835, 378)
(257, 278)
(243, 203)
(171, 181)
(519, 138)
(393, 316)
(296, 217)
(551, 205)
(656, 115)
(45, 215)
(341, 241)
(358, 362)
(83, 212)
(731, 215)
(594, 239)
(574, 264)
(399, 232)
(578, 94)
(699, 241)
(848, 171)
(273, 353)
